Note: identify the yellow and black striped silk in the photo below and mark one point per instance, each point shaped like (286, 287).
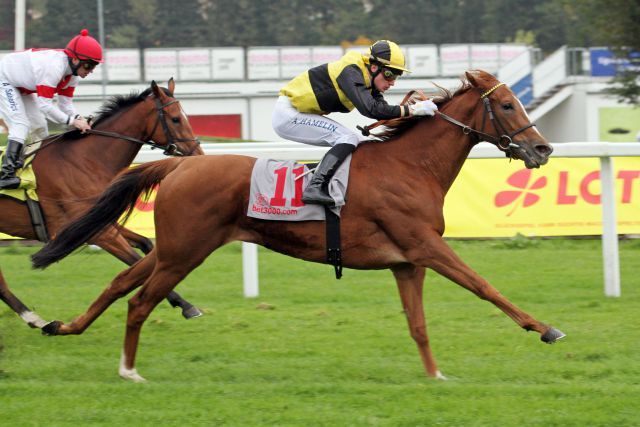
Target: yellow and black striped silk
(316, 91)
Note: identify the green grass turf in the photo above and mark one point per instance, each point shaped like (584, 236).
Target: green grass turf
(313, 351)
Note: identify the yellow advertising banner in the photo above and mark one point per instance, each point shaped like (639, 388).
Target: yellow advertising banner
(498, 198)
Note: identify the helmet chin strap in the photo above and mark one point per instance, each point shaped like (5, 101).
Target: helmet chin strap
(374, 74)
(74, 68)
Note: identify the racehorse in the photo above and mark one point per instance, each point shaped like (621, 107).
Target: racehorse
(392, 220)
(72, 170)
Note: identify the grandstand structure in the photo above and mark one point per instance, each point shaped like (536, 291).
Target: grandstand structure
(229, 92)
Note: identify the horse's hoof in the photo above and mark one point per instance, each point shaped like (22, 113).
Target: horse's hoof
(131, 375)
(51, 328)
(440, 376)
(191, 312)
(552, 335)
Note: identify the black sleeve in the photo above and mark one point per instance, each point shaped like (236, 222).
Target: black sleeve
(373, 106)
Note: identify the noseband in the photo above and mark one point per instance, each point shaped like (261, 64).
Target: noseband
(502, 139)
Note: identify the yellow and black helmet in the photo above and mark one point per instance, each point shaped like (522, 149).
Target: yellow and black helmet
(388, 54)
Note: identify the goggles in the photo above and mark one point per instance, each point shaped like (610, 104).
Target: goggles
(88, 65)
(390, 74)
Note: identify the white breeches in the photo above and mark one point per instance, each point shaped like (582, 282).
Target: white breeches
(312, 129)
(21, 114)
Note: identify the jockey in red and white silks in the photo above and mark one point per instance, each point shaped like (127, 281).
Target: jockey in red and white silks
(29, 80)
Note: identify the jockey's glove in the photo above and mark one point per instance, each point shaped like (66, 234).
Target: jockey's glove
(81, 123)
(423, 108)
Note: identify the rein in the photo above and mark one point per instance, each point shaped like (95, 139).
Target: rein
(169, 149)
(504, 142)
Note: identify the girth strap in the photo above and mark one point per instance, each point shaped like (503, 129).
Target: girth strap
(37, 220)
(334, 252)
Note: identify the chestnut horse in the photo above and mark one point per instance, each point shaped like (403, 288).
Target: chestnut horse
(392, 220)
(72, 170)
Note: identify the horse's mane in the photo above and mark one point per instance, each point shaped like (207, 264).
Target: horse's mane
(396, 128)
(119, 102)
(111, 107)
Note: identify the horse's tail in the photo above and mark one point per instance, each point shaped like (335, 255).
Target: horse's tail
(118, 199)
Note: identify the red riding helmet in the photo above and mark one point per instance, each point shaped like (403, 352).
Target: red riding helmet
(84, 47)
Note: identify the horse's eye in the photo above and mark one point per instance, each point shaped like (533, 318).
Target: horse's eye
(175, 120)
(507, 106)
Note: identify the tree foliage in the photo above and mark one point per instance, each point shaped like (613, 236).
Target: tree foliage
(547, 24)
(154, 23)
(615, 24)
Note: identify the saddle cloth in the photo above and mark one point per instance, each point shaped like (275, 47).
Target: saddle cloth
(277, 186)
(27, 183)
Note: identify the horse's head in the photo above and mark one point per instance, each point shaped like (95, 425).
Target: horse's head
(509, 126)
(171, 129)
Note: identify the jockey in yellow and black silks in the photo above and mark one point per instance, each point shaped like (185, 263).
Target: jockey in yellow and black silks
(354, 81)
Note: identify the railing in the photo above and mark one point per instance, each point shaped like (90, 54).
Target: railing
(550, 72)
(291, 150)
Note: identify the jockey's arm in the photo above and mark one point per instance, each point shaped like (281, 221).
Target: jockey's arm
(352, 84)
(45, 104)
(65, 103)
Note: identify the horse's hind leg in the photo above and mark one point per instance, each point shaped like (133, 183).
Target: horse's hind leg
(157, 287)
(31, 318)
(410, 279)
(123, 283)
(189, 311)
(176, 258)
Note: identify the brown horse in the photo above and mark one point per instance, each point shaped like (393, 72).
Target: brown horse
(392, 220)
(72, 170)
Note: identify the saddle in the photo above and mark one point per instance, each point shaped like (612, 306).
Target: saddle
(26, 193)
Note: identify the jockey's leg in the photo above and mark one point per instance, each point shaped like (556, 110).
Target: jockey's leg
(317, 192)
(13, 111)
(315, 129)
(37, 120)
(10, 163)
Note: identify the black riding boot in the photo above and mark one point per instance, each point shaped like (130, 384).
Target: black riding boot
(11, 162)
(317, 192)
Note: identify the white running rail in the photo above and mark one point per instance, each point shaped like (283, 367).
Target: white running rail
(605, 151)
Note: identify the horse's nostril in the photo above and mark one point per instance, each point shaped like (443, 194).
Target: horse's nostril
(544, 149)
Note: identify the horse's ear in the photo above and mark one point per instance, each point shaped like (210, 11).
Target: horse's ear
(156, 90)
(471, 79)
(171, 86)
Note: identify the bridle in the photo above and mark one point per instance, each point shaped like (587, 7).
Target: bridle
(169, 149)
(502, 139)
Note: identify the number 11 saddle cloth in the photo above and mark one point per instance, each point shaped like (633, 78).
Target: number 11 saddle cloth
(277, 186)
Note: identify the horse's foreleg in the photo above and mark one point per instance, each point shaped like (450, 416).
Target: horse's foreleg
(410, 283)
(442, 259)
(31, 318)
(123, 283)
(189, 311)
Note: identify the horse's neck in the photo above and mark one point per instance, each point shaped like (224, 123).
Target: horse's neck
(437, 147)
(113, 153)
